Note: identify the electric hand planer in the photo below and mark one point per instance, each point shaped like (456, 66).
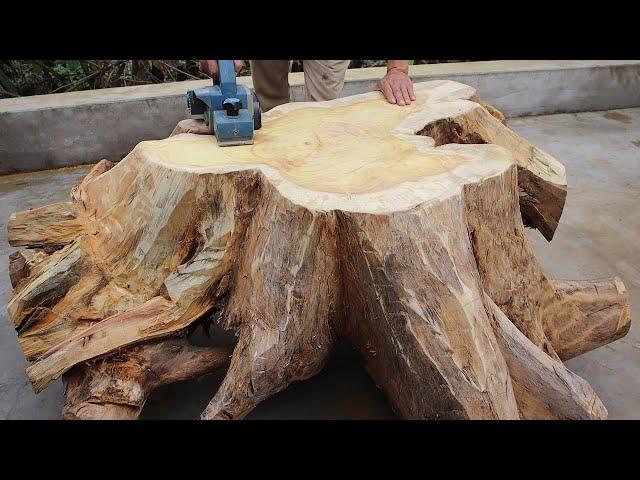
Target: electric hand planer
(231, 111)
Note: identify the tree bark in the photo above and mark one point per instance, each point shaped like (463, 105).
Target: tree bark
(399, 229)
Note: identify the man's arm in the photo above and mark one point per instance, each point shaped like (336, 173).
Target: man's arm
(396, 85)
(210, 67)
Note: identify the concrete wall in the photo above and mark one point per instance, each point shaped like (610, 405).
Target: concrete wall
(50, 131)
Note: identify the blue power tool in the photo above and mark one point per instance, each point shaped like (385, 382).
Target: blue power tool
(231, 111)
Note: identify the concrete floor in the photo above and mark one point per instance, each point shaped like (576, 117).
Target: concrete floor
(598, 236)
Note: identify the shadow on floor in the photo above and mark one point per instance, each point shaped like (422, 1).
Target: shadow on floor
(342, 390)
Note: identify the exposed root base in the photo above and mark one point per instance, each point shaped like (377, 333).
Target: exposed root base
(400, 230)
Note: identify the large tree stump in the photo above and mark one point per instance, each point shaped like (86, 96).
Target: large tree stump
(400, 229)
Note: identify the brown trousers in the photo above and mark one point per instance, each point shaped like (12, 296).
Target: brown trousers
(323, 80)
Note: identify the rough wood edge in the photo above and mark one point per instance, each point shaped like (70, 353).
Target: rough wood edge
(116, 386)
(544, 388)
(52, 225)
(501, 117)
(541, 202)
(605, 316)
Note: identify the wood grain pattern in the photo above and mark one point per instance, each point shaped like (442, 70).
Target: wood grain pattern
(53, 225)
(603, 316)
(544, 388)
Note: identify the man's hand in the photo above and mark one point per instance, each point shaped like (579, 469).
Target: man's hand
(210, 67)
(396, 85)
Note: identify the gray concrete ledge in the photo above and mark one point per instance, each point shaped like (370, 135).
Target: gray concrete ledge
(51, 131)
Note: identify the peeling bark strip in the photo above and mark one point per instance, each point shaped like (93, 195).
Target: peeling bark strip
(399, 229)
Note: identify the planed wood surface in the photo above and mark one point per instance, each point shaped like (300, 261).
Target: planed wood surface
(400, 229)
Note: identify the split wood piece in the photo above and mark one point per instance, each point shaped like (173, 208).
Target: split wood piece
(563, 318)
(46, 229)
(136, 325)
(43, 297)
(116, 386)
(50, 226)
(544, 388)
(339, 222)
(107, 272)
(604, 316)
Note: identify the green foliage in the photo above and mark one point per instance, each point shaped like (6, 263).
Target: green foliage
(36, 77)
(373, 63)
